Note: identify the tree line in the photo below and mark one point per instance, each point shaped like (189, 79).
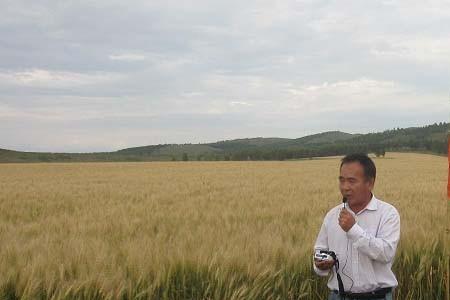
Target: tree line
(431, 139)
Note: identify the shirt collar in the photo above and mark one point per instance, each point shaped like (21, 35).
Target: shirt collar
(373, 204)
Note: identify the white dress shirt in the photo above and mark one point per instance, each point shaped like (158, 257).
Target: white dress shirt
(366, 251)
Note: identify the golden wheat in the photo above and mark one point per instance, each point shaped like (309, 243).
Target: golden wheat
(225, 230)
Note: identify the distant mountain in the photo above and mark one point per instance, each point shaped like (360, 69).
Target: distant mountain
(168, 150)
(325, 137)
(431, 139)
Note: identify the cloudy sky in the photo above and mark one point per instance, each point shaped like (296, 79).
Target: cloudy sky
(81, 76)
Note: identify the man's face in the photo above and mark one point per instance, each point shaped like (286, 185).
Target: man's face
(353, 184)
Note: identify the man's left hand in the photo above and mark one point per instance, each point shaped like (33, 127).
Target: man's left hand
(346, 220)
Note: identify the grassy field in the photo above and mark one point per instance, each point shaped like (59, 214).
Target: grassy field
(202, 230)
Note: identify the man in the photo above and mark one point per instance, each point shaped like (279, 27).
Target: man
(364, 236)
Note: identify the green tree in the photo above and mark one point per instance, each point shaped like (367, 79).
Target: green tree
(380, 152)
(185, 157)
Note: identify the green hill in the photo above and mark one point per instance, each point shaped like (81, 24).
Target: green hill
(270, 143)
(325, 137)
(170, 151)
(431, 139)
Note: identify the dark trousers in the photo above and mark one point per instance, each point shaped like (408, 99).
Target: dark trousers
(333, 296)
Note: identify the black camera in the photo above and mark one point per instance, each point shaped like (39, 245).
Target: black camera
(324, 255)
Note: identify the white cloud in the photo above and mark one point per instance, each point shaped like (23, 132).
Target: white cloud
(127, 57)
(238, 103)
(192, 94)
(363, 94)
(413, 48)
(56, 79)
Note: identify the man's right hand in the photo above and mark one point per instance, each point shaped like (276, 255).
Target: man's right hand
(324, 264)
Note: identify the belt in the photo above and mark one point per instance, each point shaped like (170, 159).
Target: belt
(376, 294)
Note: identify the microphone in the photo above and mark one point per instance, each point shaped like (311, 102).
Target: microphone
(344, 200)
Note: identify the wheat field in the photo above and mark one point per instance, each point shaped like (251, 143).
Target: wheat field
(202, 230)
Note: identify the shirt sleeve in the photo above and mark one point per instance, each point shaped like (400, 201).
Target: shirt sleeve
(321, 244)
(382, 247)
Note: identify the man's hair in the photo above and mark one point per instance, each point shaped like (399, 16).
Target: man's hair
(370, 171)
